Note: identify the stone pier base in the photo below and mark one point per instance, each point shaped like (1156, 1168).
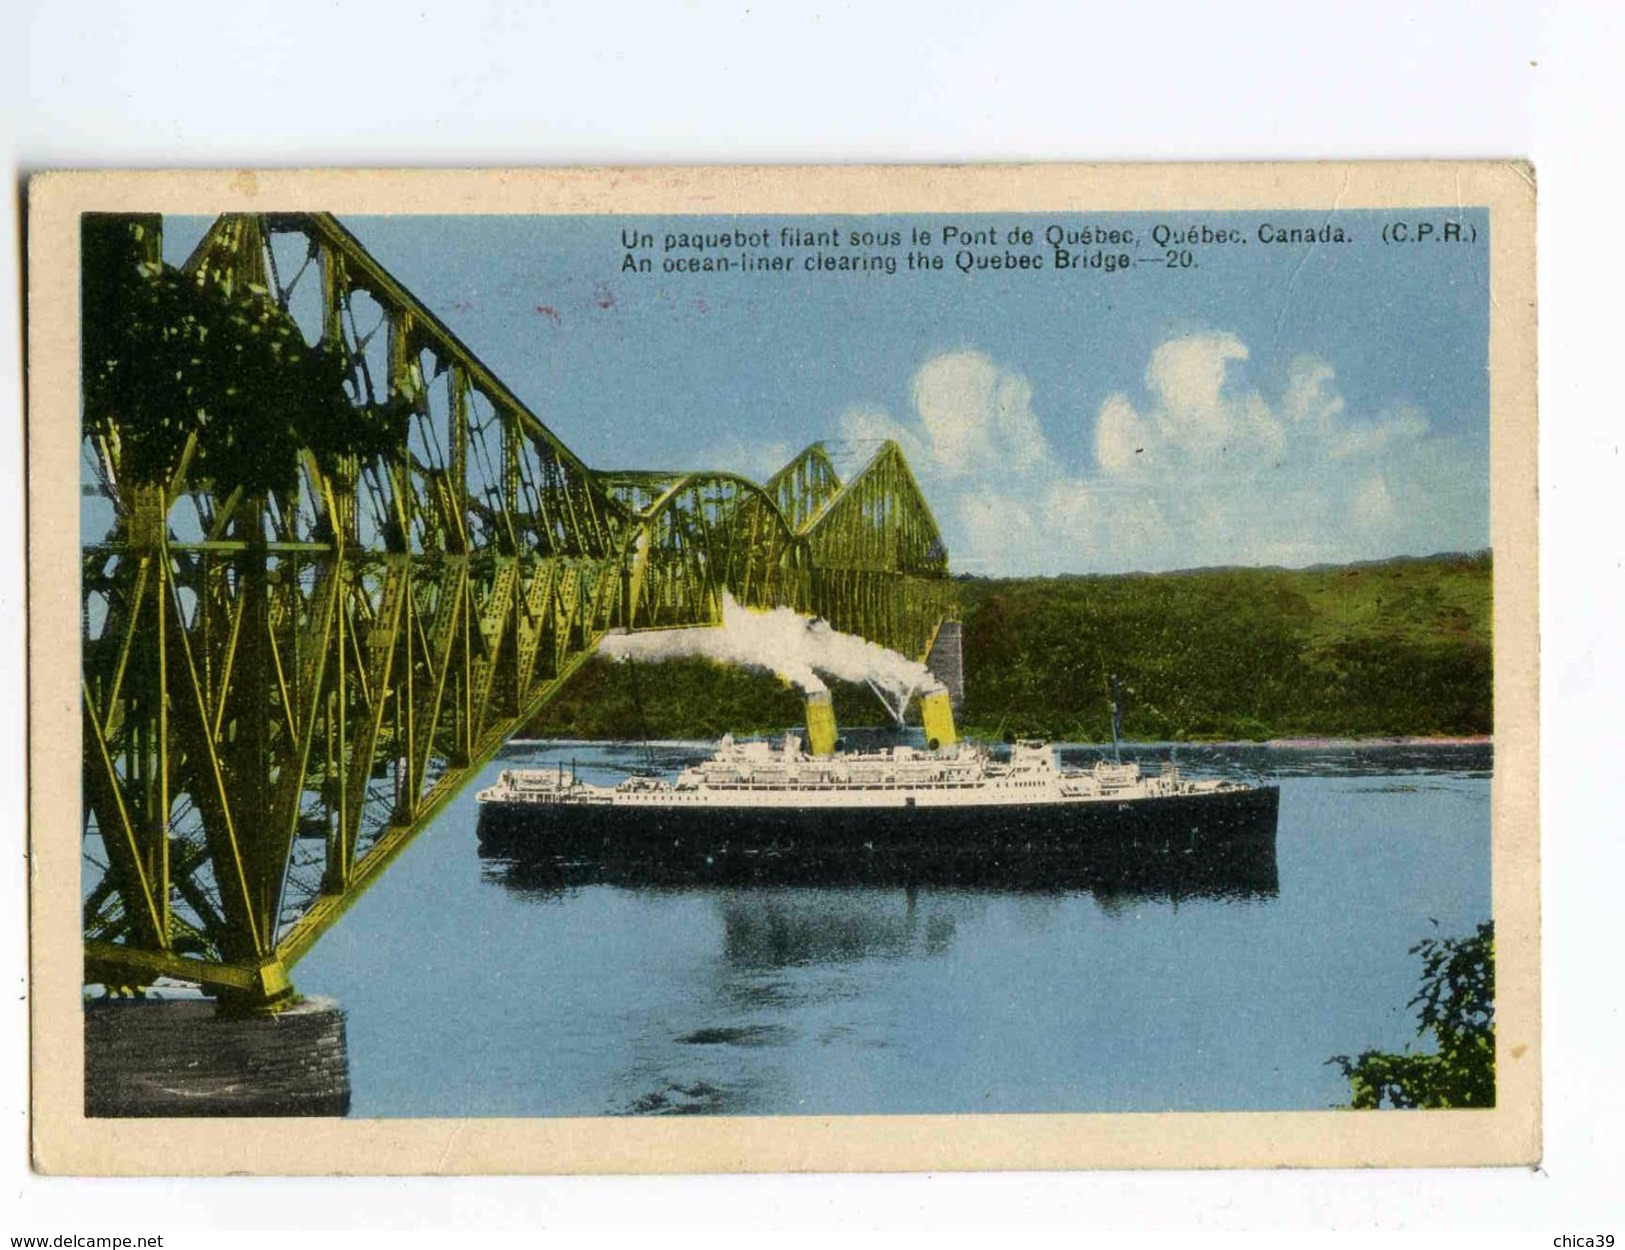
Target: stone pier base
(186, 1057)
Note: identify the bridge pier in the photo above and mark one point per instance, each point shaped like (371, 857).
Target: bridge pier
(194, 1057)
(947, 660)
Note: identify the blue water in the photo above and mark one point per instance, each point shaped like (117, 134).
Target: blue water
(471, 994)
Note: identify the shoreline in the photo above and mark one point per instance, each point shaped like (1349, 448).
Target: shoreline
(1271, 744)
(1306, 744)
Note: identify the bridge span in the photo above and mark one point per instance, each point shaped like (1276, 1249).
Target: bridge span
(342, 563)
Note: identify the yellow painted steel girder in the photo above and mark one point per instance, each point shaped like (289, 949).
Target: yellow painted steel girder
(285, 679)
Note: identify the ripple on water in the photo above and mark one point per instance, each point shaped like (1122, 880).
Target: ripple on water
(737, 1035)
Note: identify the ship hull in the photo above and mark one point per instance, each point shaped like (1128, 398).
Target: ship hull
(1219, 841)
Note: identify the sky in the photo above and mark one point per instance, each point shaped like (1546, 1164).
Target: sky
(1268, 404)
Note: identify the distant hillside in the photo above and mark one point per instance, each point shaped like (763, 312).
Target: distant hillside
(1401, 647)
(1397, 647)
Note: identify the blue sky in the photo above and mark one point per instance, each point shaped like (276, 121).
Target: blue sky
(1275, 404)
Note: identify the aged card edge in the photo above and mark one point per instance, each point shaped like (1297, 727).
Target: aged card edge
(64, 1141)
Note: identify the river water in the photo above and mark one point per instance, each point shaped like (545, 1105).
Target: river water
(475, 990)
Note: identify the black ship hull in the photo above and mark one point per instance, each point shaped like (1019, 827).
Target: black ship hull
(1219, 842)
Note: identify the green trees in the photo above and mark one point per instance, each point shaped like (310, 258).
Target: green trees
(174, 357)
(1401, 647)
(1396, 648)
(1456, 1005)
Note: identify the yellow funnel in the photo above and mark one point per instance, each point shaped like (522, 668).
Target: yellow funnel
(820, 725)
(937, 713)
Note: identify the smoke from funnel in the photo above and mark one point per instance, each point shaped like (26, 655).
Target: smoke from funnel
(794, 647)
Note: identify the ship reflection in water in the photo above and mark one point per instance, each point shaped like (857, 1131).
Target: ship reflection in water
(1172, 869)
(797, 975)
(782, 926)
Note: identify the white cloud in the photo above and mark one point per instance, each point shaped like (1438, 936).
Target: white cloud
(1373, 503)
(975, 415)
(1239, 476)
(1311, 393)
(1199, 468)
(1400, 426)
(980, 452)
(865, 427)
(995, 522)
(1120, 436)
(1194, 423)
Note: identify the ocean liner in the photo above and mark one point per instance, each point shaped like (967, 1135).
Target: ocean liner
(951, 811)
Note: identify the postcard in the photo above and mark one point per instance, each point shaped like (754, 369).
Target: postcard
(783, 669)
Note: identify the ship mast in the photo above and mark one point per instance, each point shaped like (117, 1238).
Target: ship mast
(1117, 720)
(643, 724)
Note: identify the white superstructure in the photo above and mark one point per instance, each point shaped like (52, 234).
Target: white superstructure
(759, 774)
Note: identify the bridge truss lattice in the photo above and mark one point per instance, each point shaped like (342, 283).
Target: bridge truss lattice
(286, 675)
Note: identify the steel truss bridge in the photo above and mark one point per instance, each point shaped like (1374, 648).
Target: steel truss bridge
(281, 688)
